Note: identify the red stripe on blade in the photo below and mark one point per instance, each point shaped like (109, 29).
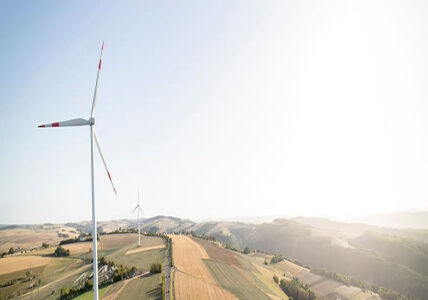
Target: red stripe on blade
(108, 173)
(41, 126)
(99, 67)
(55, 124)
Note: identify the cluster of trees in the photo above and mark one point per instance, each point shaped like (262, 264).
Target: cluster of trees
(276, 258)
(10, 252)
(247, 250)
(294, 289)
(45, 245)
(156, 268)
(122, 272)
(120, 230)
(169, 243)
(104, 261)
(275, 278)
(387, 294)
(60, 252)
(69, 293)
(88, 238)
(63, 235)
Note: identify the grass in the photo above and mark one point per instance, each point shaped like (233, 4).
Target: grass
(141, 260)
(115, 247)
(231, 279)
(90, 295)
(146, 287)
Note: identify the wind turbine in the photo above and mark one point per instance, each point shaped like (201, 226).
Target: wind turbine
(91, 123)
(139, 209)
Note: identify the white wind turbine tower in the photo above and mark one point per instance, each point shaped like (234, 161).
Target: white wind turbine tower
(139, 209)
(91, 123)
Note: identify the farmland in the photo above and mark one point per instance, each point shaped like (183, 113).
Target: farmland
(145, 287)
(206, 270)
(114, 247)
(192, 278)
(18, 273)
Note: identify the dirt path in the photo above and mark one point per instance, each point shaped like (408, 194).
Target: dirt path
(114, 295)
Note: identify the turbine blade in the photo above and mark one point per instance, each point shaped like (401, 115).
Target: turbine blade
(105, 165)
(141, 210)
(74, 122)
(135, 208)
(94, 102)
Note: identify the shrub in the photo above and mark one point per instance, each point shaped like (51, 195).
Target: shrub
(156, 268)
(60, 252)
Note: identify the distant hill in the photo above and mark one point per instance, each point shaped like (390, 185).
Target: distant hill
(416, 220)
(353, 230)
(383, 256)
(165, 224)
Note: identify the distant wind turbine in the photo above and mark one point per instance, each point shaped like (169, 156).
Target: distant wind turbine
(91, 123)
(139, 209)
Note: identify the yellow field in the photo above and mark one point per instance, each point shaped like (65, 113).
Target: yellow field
(144, 249)
(188, 287)
(188, 257)
(32, 238)
(18, 263)
(192, 278)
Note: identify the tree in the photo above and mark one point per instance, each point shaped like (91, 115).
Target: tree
(89, 284)
(275, 278)
(247, 250)
(60, 251)
(156, 268)
(65, 292)
(45, 245)
(11, 251)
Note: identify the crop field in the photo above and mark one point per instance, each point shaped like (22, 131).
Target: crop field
(326, 288)
(189, 287)
(115, 246)
(19, 263)
(144, 249)
(31, 238)
(218, 253)
(239, 275)
(188, 256)
(192, 278)
(146, 287)
(230, 278)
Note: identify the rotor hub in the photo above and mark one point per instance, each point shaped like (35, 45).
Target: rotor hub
(91, 121)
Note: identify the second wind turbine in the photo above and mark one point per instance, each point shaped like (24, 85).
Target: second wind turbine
(138, 209)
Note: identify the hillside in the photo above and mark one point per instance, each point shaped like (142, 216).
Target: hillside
(205, 270)
(346, 250)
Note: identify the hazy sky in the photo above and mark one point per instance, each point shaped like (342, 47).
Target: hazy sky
(214, 108)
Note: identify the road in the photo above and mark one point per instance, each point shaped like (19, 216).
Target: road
(167, 269)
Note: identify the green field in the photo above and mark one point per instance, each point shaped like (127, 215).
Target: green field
(231, 279)
(147, 287)
(90, 295)
(142, 260)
